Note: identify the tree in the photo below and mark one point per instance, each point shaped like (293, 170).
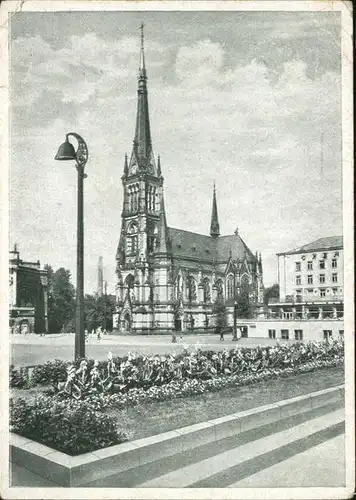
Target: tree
(219, 311)
(98, 311)
(61, 301)
(272, 292)
(243, 307)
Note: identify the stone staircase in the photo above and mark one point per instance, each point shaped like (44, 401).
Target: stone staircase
(231, 461)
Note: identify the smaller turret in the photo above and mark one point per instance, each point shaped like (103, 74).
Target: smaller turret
(214, 226)
(162, 229)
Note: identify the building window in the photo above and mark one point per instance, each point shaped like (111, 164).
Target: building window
(297, 266)
(310, 265)
(322, 292)
(298, 280)
(298, 334)
(272, 334)
(285, 334)
(321, 278)
(334, 291)
(334, 277)
(327, 334)
(341, 333)
(334, 263)
(310, 279)
(230, 287)
(321, 264)
(288, 315)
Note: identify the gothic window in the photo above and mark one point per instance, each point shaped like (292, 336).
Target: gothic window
(178, 285)
(206, 290)
(154, 199)
(136, 197)
(132, 238)
(230, 287)
(129, 281)
(130, 199)
(151, 236)
(219, 289)
(191, 289)
(133, 192)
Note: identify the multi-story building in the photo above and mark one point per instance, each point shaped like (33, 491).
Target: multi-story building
(311, 280)
(166, 277)
(27, 295)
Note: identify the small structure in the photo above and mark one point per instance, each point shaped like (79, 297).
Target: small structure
(27, 295)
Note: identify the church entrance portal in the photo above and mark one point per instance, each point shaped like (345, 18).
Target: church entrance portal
(178, 325)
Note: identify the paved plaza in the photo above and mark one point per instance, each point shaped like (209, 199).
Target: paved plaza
(27, 350)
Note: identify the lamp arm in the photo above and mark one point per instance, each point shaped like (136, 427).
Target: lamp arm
(82, 151)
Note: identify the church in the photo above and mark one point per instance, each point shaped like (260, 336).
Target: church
(168, 278)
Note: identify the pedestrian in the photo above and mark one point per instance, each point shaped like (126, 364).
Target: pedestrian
(221, 334)
(99, 333)
(174, 338)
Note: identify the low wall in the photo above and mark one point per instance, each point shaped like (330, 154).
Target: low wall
(312, 330)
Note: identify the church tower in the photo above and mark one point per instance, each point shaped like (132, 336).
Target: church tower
(142, 182)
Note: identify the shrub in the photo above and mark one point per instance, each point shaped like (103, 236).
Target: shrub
(70, 426)
(18, 378)
(51, 373)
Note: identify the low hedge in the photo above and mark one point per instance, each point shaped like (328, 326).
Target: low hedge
(70, 426)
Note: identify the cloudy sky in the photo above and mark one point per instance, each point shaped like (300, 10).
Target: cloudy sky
(248, 99)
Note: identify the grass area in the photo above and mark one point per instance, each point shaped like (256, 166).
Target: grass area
(153, 418)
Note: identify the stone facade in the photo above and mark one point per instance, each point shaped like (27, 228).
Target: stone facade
(169, 278)
(27, 295)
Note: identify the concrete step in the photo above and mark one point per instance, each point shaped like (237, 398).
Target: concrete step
(231, 460)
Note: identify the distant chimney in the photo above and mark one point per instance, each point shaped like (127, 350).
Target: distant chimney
(100, 277)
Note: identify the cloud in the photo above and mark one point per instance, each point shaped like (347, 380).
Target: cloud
(200, 61)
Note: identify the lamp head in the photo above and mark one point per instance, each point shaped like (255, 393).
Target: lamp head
(66, 151)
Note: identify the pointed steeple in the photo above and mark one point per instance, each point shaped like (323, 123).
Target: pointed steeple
(162, 229)
(159, 171)
(142, 154)
(126, 166)
(260, 264)
(214, 226)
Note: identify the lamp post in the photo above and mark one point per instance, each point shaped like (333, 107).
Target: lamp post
(234, 336)
(105, 296)
(67, 152)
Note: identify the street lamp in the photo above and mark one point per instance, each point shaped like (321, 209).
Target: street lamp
(234, 336)
(67, 152)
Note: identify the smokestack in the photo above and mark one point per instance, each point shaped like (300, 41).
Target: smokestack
(100, 277)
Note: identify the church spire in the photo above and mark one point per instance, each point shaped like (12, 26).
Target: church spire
(162, 230)
(214, 226)
(142, 154)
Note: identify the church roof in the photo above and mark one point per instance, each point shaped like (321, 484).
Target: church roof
(186, 244)
(330, 242)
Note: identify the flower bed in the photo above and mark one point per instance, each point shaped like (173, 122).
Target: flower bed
(119, 375)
